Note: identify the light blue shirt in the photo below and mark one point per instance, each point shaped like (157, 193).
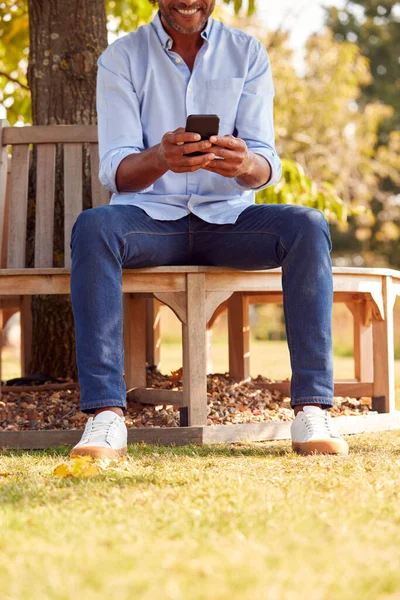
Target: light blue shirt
(144, 90)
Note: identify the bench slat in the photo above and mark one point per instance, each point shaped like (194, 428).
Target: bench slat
(45, 188)
(18, 208)
(100, 194)
(3, 186)
(51, 134)
(72, 193)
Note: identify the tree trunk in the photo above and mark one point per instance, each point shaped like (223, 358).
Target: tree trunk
(66, 38)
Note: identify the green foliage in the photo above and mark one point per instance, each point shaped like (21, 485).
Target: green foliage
(128, 15)
(14, 50)
(375, 27)
(297, 188)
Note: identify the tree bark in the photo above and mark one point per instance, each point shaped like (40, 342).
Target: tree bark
(66, 38)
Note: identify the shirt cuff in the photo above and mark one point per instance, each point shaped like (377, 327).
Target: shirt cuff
(276, 169)
(109, 167)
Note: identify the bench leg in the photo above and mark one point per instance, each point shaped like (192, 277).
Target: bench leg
(363, 342)
(209, 336)
(26, 334)
(239, 336)
(194, 353)
(134, 340)
(153, 335)
(384, 399)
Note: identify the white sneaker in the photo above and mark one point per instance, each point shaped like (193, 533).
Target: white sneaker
(105, 436)
(313, 431)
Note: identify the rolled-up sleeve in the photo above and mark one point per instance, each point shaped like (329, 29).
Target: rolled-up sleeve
(255, 115)
(118, 115)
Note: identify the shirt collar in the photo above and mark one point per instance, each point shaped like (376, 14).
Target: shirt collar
(166, 40)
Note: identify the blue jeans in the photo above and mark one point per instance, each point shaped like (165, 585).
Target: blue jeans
(108, 238)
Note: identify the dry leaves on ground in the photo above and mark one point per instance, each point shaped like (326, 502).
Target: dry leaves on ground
(229, 402)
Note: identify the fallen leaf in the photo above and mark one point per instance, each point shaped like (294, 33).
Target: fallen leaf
(62, 471)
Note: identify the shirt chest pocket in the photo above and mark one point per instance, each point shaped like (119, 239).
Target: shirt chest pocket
(223, 97)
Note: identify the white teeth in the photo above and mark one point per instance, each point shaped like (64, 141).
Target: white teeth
(188, 12)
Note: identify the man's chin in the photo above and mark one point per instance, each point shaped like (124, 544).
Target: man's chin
(186, 28)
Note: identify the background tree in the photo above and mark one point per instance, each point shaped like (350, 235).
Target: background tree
(374, 25)
(64, 47)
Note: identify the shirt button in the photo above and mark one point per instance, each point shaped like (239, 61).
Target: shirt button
(178, 60)
(189, 90)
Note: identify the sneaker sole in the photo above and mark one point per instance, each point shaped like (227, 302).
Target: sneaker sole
(321, 447)
(98, 452)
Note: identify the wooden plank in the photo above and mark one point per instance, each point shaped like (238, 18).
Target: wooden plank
(42, 387)
(18, 209)
(135, 340)
(10, 302)
(363, 344)
(45, 190)
(42, 439)
(239, 336)
(153, 332)
(100, 194)
(4, 245)
(26, 335)
(194, 351)
(384, 399)
(280, 430)
(4, 164)
(155, 396)
(342, 388)
(72, 193)
(50, 134)
(34, 284)
(28, 281)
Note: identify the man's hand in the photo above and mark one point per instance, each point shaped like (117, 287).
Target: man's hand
(176, 144)
(237, 157)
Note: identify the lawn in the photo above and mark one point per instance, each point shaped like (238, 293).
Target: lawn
(246, 521)
(250, 522)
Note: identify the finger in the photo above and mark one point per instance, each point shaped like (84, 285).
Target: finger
(203, 146)
(232, 156)
(227, 141)
(193, 161)
(185, 136)
(217, 166)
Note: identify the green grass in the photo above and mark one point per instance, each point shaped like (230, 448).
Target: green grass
(246, 521)
(250, 522)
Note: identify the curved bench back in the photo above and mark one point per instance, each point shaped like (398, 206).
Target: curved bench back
(14, 183)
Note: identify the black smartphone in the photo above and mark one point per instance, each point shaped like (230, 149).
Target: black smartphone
(205, 125)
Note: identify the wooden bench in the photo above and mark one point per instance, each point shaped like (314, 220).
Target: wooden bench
(195, 294)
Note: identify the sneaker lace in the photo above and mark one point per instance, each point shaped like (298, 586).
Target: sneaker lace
(99, 429)
(319, 424)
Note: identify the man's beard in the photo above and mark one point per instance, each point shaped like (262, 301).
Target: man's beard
(168, 15)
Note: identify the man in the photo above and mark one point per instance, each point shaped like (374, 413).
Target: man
(171, 209)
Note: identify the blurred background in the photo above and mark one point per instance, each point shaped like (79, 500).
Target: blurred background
(336, 68)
